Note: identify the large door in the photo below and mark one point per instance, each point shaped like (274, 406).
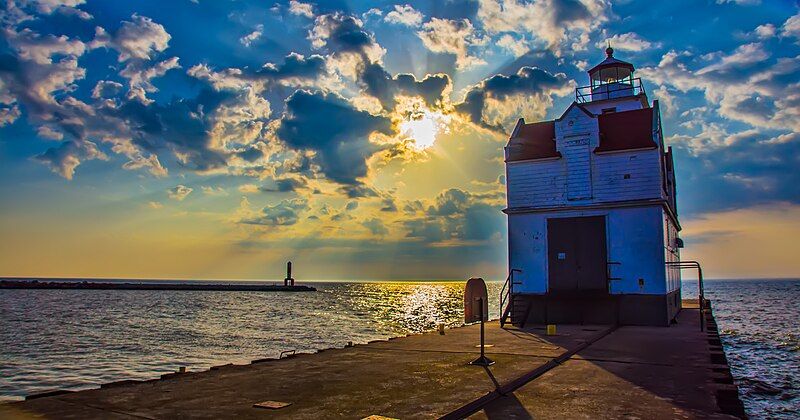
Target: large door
(577, 255)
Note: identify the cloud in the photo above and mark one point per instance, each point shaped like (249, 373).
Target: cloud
(139, 38)
(211, 190)
(286, 185)
(517, 47)
(452, 37)
(252, 36)
(791, 28)
(106, 89)
(555, 24)
(9, 114)
(140, 75)
(32, 46)
(628, 41)
(746, 85)
(378, 83)
(63, 159)
(179, 192)
(341, 33)
(301, 9)
(337, 133)
(375, 226)
(456, 215)
(285, 213)
(499, 99)
(404, 15)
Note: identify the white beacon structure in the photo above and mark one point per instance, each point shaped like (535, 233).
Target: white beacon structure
(592, 221)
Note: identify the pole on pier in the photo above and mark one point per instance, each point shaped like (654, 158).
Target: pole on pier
(476, 309)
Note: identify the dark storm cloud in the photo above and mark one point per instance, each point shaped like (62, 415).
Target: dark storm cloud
(527, 80)
(377, 82)
(334, 130)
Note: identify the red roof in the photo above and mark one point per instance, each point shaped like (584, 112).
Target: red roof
(626, 130)
(533, 141)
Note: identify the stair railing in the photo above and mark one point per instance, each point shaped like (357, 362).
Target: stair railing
(506, 294)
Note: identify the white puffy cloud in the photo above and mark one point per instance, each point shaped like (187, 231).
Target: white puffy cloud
(452, 37)
(139, 38)
(405, 15)
(628, 41)
(791, 28)
(140, 75)
(64, 159)
(555, 24)
(40, 49)
(745, 85)
(301, 9)
(518, 47)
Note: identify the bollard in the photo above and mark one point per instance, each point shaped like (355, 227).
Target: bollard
(440, 327)
(551, 329)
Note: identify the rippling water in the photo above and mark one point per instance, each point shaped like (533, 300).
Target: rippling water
(77, 339)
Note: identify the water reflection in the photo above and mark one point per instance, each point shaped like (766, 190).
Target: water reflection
(76, 339)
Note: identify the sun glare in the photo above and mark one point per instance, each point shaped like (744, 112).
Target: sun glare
(423, 127)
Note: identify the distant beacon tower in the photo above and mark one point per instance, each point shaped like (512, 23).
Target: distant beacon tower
(591, 210)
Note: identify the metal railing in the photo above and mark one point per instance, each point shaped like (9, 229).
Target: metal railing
(506, 292)
(701, 298)
(626, 87)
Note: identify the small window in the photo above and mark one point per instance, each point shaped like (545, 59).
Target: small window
(609, 110)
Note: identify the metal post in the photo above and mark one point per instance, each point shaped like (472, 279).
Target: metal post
(483, 360)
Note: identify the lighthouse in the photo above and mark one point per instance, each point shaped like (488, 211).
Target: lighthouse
(592, 219)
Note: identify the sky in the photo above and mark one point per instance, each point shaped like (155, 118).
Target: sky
(364, 139)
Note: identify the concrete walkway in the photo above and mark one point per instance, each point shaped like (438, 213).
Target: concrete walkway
(633, 371)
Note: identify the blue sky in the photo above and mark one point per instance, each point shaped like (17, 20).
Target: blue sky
(216, 139)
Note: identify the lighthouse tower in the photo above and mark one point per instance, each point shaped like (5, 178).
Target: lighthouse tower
(592, 221)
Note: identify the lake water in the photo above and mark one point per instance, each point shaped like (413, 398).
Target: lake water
(78, 339)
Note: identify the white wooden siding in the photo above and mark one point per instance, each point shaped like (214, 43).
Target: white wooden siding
(576, 151)
(580, 176)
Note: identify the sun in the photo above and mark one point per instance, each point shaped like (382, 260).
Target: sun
(423, 127)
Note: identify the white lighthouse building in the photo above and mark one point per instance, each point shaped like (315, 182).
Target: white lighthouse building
(592, 221)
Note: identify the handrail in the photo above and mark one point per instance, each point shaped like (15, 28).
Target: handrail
(505, 296)
(681, 265)
(506, 285)
(584, 94)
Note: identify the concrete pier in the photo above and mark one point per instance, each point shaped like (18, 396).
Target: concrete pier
(584, 371)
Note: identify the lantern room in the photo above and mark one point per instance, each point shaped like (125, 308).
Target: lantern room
(610, 79)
